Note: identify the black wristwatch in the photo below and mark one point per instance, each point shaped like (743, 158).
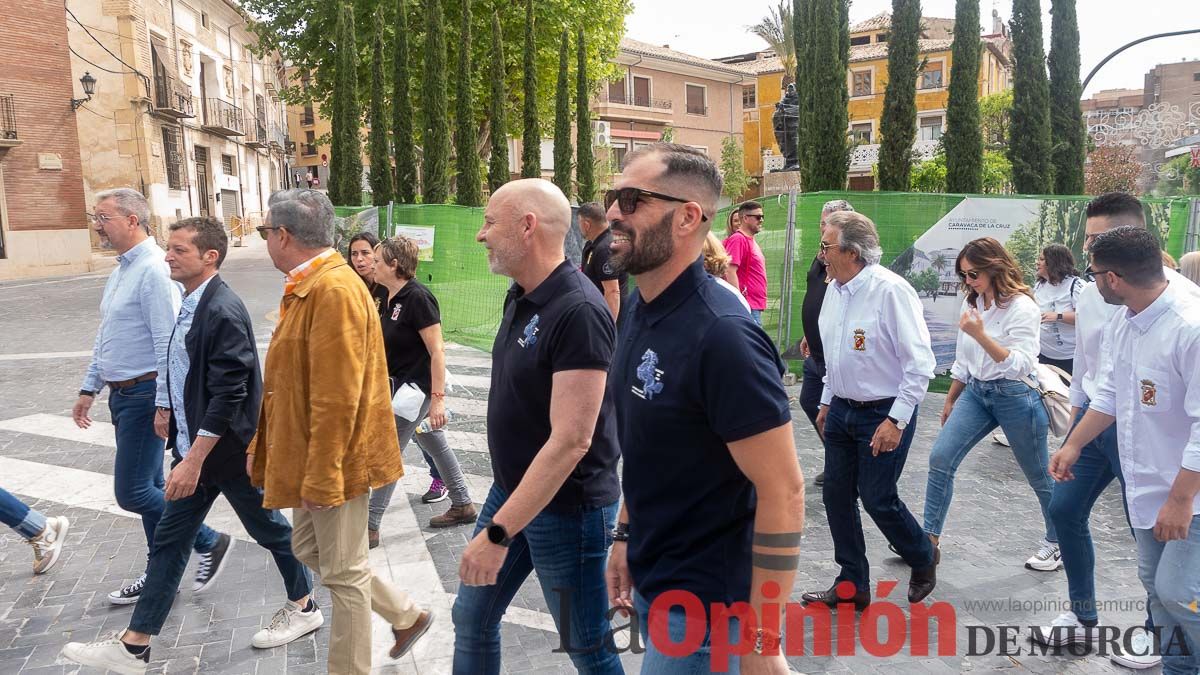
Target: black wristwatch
(85, 392)
(498, 535)
(1060, 316)
(621, 532)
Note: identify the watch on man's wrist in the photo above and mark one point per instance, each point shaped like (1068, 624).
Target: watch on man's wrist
(1059, 316)
(85, 392)
(763, 642)
(900, 424)
(498, 535)
(621, 532)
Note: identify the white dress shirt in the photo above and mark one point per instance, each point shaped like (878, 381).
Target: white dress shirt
(1058, 337)
(1016, 327)
(1092, 314)
(1152, 386)
(876, 342)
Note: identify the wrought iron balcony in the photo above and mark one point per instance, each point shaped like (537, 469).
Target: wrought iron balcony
(222, 118)
(308, 149)
(8, 121)
(308, 118)
(637, 100)
(172, 97)
(279, 137)
(257, 136)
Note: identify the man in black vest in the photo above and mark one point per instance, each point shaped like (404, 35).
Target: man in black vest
(215, 387)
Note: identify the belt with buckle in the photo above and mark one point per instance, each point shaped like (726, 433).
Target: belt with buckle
(868, 404)
(123, 384)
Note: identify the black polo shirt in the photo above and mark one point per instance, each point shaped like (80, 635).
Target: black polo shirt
(692, 373)
(596, 263)
(563, 324)
(404, 316)
(810, 311)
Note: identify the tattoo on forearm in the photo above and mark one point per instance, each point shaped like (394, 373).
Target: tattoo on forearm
(777, 539)
(778, 563)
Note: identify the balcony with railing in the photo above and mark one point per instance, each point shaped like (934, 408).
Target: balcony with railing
(279, 138)
(172, 98)
(308, 118)
(221, 117)
(637, 107)
(8, 122)
(308, 149)
(257, 135)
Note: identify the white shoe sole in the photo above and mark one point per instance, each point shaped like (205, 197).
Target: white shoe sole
(114, 599)
(279, 642)
(84, 660)
(217, 572)
(64, 527)
(1127, 662)
(1057, 566)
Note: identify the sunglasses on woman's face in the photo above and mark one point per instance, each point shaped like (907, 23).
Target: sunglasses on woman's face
(970, 274)
(627, 199)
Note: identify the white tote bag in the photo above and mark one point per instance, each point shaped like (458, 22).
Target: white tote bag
(406, 402)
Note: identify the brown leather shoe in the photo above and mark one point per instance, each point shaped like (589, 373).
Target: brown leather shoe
(922, 582)
(457, 515)
(829, 597)
(407, 637)
(372, 538)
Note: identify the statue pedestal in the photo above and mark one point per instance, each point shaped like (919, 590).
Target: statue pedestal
(780, 182)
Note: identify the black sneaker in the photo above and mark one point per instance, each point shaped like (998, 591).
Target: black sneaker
(437, 492)
(212, 563)
(128, 594)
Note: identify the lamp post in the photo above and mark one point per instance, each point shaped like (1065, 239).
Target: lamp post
(89, 88)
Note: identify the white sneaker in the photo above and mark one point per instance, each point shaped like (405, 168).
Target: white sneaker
(999, 437)
(1047, 559)
(1141, 654)
(48, 544)
(1064, 631)
(107, 654)
(288, 624)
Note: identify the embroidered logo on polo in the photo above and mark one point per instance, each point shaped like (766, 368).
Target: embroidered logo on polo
(531, 331)
(1149, 393)
(396, 312)
(650, 375)
(860, 340)
(608, 268)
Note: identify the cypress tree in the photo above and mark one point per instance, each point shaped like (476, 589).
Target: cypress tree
(402, 114)
(1029, 132)
(963, 139)
(435, 138)
(1066, 118)
(466, 134)
(562, 122)
(828, 54)
(345, 187)
(585, 177)
(497, 117)
(800, 37)
(899, 124)
(381, 163)
(531, 139)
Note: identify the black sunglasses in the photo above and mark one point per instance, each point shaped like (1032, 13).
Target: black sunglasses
(973, 275)
(627, 199)
(264, 230)
(1096, 273)
(753, 215)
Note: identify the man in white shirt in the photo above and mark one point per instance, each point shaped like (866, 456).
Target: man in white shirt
(878, 362)
(1151, 387)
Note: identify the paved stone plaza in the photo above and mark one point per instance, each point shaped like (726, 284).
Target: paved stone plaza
(46, 333)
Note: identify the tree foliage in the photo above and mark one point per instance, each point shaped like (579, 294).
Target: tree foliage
(531, 138)
(466, 130)
(402, 112)
(733, 169)
(1112, 168)
(585, 169)
(1029, 134)
(345, 186)
(995, 117)
(932, 175)
(381, 161)
(1066, 118)
(497, 115)
(776, 29)
(1178, 178)
(435, 127)
(963, 139)
(562, 119)
(898, 128)
(823, 53)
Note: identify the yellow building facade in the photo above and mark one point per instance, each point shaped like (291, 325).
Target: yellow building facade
(866, 82)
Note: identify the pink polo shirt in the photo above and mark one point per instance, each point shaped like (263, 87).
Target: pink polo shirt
(751, 268)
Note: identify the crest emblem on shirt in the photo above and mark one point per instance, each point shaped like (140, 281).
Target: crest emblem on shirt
(396, 312)
(608, 268)
(531, 331)
(1149, 393)
(860, 340)
(650, 375)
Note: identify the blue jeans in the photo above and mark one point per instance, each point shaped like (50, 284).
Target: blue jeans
(569, 552)
(138, 475)
(853, 474)
(756, 315)
(698, 662)
(1170, 571)
(1071, 507)
(22, 519)
(983, 405)
(177, 529)
(811, 387)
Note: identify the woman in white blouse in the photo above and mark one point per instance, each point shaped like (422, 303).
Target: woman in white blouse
(998, 345)
(1056, 289)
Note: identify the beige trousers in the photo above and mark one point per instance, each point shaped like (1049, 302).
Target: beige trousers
(333, 544)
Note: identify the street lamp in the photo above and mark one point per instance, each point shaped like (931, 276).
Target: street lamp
(89, 88)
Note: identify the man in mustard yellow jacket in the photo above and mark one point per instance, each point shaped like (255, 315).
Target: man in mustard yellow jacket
(326, 434)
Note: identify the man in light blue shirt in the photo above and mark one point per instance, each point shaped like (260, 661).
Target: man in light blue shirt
(137, 316)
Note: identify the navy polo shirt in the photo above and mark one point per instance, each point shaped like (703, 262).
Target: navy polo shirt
(563, 324)
(692, 373)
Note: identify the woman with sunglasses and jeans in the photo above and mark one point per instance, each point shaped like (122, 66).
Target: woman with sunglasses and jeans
(998, 344)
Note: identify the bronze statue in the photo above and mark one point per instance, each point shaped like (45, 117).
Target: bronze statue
(786, 121)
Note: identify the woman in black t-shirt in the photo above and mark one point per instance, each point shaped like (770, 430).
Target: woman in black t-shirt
(412, 337)
(362, 259)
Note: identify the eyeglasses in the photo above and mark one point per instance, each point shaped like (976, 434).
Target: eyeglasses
(1097, 273)
(970, 274)
(264, 230)
(627, 199)
(99, 218)
(826, 246)
(753, 215)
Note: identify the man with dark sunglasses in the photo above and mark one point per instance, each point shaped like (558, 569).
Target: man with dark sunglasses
(696, 383)
(747, 265)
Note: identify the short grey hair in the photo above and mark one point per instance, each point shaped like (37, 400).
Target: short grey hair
(307, 214)
(835, 205)
(129, 202)
(857, 233)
